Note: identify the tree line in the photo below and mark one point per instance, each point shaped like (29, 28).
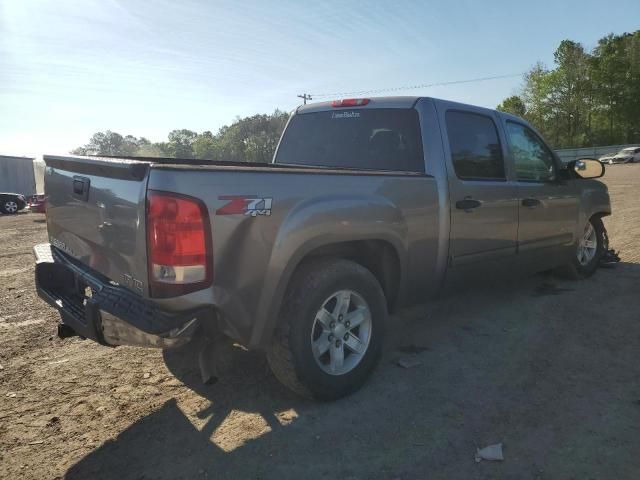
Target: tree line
(250, 139)
(586, 98)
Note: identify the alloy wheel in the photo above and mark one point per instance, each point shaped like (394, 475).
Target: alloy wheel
(588, 245)
(10, 206)
(341, 332)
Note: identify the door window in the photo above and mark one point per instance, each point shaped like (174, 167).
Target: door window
(475, 147)
(532, 159)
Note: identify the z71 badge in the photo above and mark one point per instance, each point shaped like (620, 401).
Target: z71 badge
(245, 205)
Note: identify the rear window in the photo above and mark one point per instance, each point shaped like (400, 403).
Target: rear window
(375, 139)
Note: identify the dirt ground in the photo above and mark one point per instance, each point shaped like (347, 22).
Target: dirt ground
(548, 367)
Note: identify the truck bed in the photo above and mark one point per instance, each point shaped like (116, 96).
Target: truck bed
(254, 251)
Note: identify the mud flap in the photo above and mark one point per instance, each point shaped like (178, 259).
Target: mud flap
(214, 357)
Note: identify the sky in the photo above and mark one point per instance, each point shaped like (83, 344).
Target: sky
(70, 68)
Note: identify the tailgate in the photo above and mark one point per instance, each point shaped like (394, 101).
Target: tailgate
(96, 214)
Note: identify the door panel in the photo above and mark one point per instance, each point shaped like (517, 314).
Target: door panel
(547, 207)
(484, 206)
(549, 223)
(488, 231)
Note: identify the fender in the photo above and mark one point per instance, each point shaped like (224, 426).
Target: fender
(318, 222)
(594, 199)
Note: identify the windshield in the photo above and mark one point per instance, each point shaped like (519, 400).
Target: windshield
(378, 139)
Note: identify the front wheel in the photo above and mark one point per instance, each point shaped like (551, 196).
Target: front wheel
(10, 207)
(331, 333)
(589, 250)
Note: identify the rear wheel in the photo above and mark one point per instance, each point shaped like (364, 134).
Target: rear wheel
(10, 206)
(589, 250)
(332, 327)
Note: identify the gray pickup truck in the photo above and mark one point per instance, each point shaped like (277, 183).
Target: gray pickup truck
(369, 205)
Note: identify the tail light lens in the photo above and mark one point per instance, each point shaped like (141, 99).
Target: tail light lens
(179, 244)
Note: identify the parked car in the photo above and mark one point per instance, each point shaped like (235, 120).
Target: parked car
(369, 205)
(37, 203)
(11, 203)
(605, 158)
(626, 155)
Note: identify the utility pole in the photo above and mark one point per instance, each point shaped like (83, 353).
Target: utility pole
(305, 97)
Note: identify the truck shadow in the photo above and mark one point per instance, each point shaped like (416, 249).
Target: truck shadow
(163, 444)
(500, 364)
(169, 444)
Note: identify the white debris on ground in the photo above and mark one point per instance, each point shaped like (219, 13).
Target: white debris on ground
(492, 452)
(408, 363)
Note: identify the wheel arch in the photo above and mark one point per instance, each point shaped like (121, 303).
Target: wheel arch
(594, 201)
(378, 256)
(381, 256)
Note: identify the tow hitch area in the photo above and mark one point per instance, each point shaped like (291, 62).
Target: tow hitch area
(94, 308)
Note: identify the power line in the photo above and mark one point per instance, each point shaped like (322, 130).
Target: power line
(411, 87)
(305, 97)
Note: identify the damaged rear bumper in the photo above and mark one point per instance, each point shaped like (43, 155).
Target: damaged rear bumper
(105, 312)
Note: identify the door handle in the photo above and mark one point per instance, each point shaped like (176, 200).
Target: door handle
(468, 204)
(81, 187)
(531, 202)
(78, 187)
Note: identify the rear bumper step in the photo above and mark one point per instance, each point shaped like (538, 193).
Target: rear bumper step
(109, 314)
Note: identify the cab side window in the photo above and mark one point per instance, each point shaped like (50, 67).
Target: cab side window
(532, 159)
(475, 148)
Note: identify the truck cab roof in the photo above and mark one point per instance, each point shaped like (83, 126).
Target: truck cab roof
(374, 102)
(389, 102)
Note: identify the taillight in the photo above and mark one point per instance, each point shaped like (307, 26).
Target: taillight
(350, 102)
(178, 243)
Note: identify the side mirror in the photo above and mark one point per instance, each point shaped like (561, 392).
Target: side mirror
(586, 168)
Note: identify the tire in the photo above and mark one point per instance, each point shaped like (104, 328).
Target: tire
(10, 207)
(581, 267)
(309, 300)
